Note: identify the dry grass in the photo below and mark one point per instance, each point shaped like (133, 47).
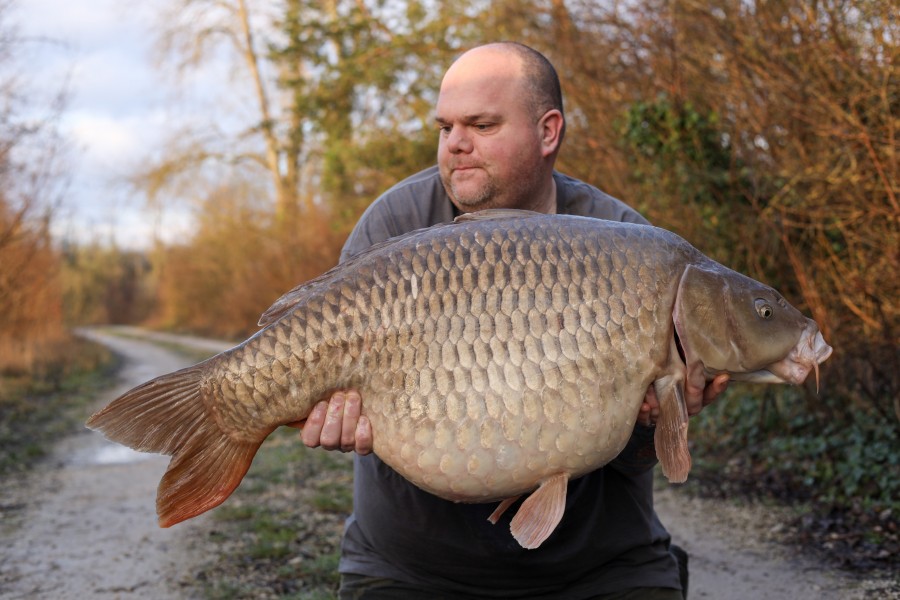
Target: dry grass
(44, 392)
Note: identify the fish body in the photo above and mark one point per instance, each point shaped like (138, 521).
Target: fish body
(505, 353)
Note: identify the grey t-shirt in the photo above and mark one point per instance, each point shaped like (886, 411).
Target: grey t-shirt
(609, 539)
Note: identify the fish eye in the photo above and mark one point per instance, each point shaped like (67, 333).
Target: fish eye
(764, 309)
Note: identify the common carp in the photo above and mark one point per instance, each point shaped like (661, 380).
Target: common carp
(499, 355)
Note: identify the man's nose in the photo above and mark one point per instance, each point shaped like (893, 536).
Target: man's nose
(458, 141)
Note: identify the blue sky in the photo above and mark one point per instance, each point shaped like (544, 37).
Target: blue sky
(118, 111)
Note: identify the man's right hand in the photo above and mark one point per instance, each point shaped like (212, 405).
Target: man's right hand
(336, 424)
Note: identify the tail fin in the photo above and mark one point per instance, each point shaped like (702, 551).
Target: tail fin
(167, 415)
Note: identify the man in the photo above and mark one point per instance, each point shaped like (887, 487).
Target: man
(501, 125)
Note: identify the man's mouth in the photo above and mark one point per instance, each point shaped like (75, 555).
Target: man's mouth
(465, 167)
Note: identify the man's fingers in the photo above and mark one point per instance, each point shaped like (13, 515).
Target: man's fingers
(352, 408)
(715, 388)
(363, 436)
(649, 409)
(312, 428)
(337, 424)
(693, 398)
(699, 398)
(644, 416)
(330, 437)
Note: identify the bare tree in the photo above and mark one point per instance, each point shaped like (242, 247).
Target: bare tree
(328, 81)
(31, 183)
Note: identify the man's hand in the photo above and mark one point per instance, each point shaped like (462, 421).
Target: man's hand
(336, 424)
(699, 398)
(696, 398)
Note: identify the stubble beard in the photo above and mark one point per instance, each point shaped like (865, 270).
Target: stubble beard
(517, 194)
(484, 196)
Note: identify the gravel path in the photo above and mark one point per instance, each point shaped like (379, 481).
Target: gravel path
(83, 525)
(86, 524)
(734, 554)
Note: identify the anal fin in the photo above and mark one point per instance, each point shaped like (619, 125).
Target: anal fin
(541, 512)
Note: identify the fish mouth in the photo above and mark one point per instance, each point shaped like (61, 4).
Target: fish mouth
(811, 351)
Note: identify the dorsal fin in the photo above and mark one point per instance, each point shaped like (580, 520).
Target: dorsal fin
(495, 213)
(289, 300)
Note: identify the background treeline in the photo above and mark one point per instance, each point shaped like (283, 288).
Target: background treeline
(31, 180)
(763, 132)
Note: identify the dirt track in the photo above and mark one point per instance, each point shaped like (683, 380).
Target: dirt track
(84, 526)
(87, 526)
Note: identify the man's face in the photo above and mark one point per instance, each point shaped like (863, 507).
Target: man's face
(489, 151)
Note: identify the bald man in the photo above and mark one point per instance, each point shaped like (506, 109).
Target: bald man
(501, 123)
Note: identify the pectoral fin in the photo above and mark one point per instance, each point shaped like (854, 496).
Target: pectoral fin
(541, 512)
(671, 430)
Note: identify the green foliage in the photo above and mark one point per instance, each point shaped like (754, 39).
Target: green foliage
(773, 444)
(676, 136)
(322, 571)
(686, 175)
(334, 496)
(361, 76)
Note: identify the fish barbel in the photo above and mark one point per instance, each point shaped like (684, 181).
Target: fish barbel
(503, 354)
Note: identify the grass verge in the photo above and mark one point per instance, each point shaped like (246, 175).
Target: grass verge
(37, 408)
(278, 535)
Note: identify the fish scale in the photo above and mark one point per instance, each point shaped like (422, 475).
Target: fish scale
(502, 354)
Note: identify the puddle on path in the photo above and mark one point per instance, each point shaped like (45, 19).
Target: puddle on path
(99, 452)
(114, 454)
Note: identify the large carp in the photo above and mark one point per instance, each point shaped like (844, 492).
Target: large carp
(502, 354)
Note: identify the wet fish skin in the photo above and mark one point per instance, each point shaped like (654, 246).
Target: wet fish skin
(480, 365)
(496, 355)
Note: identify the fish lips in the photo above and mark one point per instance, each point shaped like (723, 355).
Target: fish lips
(811, 351)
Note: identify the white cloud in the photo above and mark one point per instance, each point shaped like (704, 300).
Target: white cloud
(81, 22)
(119, 110)
(106, 141)
(98, 50)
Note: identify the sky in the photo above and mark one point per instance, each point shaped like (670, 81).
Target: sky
(118, 107)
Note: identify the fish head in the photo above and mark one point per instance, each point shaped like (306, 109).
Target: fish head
(730, 323)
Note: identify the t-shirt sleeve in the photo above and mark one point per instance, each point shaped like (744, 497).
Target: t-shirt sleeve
(372, 227)
(580, 198)
(416, 202)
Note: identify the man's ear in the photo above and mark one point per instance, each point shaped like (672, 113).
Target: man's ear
(551, 128)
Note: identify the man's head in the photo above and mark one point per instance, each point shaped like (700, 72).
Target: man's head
(501, 126)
